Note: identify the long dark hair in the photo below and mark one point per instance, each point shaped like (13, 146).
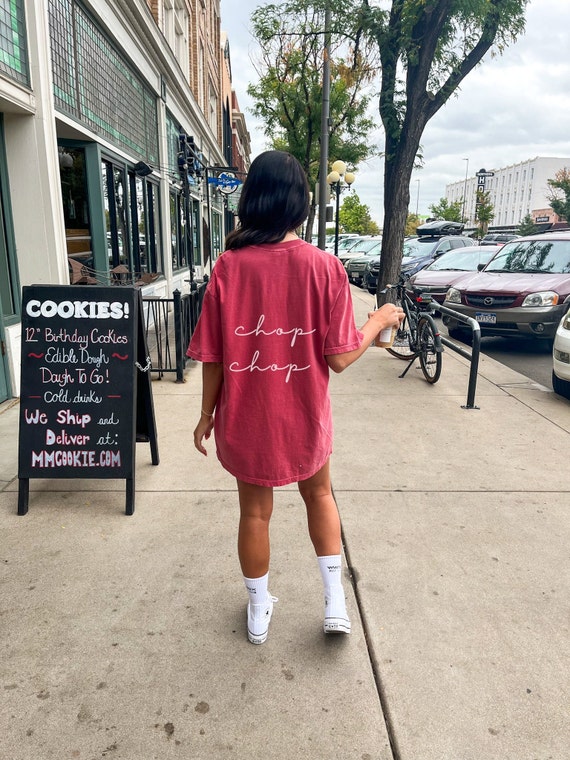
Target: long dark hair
(274, 200)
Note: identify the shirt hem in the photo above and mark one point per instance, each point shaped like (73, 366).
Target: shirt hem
(205, 358)
(344, 349)
(267, 483)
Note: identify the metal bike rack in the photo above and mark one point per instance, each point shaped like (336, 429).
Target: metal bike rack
(472, 356)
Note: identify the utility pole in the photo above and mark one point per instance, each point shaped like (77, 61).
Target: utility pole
(463, 219)
(325, 125)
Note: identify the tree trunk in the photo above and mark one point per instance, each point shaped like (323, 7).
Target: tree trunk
(399, 164)
(310, 222)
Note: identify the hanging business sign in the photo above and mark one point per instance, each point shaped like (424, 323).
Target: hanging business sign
(225, 182)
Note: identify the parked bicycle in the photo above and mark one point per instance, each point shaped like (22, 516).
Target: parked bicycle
(418, 335)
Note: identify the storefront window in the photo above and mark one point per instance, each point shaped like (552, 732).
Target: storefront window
(180, 241)
(7, 300)
(139, 220)
(145, 225)
(13, 46)
(75, 201)
(132, 220)
(153, 261)
(114, 195)
(93, 82)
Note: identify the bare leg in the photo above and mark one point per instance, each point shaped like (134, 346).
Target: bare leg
(256, 507)
(324, 529)
(322, 513)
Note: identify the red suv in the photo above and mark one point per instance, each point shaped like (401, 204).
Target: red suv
(523, 290)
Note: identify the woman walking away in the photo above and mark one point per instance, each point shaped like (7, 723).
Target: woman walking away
(277, 315)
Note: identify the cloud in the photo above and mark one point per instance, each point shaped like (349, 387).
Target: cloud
(509, 109)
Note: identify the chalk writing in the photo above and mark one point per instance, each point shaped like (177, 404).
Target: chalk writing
(77, 390)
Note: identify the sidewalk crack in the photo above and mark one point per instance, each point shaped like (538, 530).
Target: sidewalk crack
(372, 655)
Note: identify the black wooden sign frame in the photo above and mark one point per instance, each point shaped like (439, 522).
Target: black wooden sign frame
(86, 395)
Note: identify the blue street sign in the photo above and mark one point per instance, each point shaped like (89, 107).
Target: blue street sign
(226, 182)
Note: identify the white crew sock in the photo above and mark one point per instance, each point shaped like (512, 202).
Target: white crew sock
(336, 617)
(331, 573)
(257, 588)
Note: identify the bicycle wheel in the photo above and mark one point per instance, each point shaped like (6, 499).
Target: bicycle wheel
(430, 359)
(400, 348)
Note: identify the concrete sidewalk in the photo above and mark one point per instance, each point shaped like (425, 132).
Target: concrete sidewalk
(124, 637)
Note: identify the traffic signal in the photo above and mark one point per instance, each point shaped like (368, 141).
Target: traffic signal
(182, 154)
(190, 160)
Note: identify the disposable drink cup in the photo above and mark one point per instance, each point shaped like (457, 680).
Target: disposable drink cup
(385, 338)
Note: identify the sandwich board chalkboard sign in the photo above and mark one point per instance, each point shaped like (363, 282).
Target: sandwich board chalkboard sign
(86, 395)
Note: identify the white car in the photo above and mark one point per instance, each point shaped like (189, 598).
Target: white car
(561, 358)
(344, 240)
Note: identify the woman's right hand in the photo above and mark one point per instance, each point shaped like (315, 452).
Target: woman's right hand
(388, 315)
(203, 430)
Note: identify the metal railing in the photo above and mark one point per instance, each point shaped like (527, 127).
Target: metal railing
(472, 356)
(169, 324)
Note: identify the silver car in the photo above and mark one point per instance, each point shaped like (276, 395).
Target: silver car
(356, 268)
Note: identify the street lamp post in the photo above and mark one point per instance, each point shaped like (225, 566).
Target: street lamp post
(418, 199)
(336, 180)
(325, 128)
(465, 190)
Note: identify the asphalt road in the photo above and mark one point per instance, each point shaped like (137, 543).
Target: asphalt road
(532, 358)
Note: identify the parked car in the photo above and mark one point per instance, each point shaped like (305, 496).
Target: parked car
(357, 268)
(419, 253)
(361, 246)
(561, 358)
(329, 240)
(422, 251)
(345, 252)
(363, 249)
(523, 290)
(493, 238)
(441, 274)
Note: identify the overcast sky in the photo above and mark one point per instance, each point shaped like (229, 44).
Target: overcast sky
(511, 108)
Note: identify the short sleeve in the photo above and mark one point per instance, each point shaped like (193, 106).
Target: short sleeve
(206, 344)
(342, 335)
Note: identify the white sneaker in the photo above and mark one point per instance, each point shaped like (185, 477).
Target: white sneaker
(258, 618)
(336, 617)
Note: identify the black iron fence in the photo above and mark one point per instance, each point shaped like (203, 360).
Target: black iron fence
(169, 324)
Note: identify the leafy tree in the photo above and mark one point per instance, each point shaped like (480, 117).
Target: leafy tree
(412, 223)
(527, 226)
(288, 94)
(354, 216)
(484, 211)
(559, 195)
(426, 51)
(451, 212)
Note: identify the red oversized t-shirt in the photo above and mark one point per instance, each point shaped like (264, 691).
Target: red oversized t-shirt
(270, 314)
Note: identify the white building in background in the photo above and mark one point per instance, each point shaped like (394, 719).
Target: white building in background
(515, 191)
